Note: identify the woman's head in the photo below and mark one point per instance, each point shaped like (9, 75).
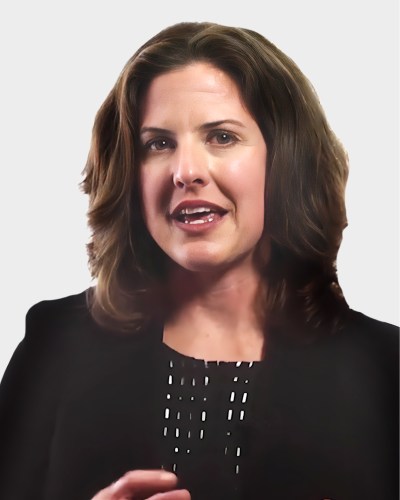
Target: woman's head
(305, 170)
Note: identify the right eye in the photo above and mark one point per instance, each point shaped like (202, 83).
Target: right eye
(159, 144)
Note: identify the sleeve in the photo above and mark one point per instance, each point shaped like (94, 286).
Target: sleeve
(29, 392)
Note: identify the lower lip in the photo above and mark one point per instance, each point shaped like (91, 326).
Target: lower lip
(201, 227)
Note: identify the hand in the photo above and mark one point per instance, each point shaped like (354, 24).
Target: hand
(144, 485)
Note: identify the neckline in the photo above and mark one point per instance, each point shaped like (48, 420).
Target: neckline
(214, 362)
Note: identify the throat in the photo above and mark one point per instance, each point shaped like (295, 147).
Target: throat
(214, 346)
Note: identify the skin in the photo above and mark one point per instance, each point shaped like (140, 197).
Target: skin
(144, 484)
(199, 142)
(189, 160)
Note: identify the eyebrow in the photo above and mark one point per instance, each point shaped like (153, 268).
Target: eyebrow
(205, 126)
(155, 130)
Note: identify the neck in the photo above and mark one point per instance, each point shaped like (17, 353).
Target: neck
(214, 315)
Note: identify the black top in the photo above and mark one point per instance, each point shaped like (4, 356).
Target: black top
(204, 403)
(80, 406)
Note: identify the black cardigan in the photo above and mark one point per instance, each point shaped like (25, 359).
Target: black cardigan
(79, 407)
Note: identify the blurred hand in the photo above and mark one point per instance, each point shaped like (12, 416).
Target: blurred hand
(144, 485)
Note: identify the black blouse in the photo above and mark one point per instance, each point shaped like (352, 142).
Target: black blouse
(203, 404)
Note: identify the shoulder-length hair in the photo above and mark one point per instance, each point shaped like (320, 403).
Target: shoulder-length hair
(306, 174)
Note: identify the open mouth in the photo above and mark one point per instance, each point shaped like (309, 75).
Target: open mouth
(198, 214)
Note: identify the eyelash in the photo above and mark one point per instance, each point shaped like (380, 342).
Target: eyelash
(151, 145)
(167, 143)
(215, 133)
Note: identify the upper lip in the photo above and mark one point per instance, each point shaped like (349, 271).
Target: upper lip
(196, 204)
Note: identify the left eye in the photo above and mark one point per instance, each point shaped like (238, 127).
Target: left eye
(222, 137)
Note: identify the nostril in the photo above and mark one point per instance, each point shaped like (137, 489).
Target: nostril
(181, 182)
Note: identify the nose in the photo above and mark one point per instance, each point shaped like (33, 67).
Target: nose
(190, 168)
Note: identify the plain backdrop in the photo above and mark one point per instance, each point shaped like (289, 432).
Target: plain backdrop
(60, 59)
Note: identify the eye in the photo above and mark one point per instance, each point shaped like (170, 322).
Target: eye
(222, 138)
(159, 144)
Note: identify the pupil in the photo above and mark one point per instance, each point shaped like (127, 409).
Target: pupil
(224, 137)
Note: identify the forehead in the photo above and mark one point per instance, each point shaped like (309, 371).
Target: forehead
(195, 85)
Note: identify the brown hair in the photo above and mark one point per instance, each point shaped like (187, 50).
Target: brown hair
(306, 171)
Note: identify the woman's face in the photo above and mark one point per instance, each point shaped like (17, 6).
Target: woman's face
(202, 170)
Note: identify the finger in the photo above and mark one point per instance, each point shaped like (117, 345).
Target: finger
(137, 483)
(172, 495)
(143, 482)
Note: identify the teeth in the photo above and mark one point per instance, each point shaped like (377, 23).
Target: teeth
(196, 210)
(199, 221)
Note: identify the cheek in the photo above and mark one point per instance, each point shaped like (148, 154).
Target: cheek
(155, 193)
(148, 190)
(247, 177)
(253, 191)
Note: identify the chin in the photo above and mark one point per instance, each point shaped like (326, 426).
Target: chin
(198, 261)
(209, 262)
(202, 265)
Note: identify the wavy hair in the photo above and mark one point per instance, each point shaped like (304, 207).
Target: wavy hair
(306, 169)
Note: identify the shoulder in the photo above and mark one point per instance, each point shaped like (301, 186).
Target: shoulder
(60, 321)
(65, 326)
(51, 328)
(371, 332)
(71, 309)
(370, 344)
(38, 365)
(358, 320)
(55, 332)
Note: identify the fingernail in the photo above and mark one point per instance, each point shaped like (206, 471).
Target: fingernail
(116, 485)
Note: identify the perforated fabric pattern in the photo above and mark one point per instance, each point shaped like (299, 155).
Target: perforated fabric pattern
(204, 404)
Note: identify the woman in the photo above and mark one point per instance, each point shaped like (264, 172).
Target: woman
(216, 356)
